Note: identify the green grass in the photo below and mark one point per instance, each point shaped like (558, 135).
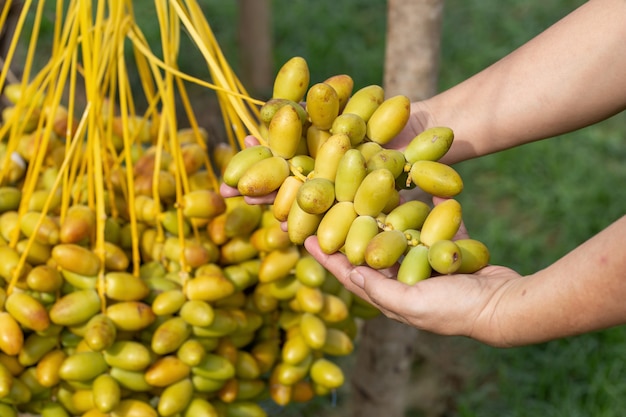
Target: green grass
(530, 205)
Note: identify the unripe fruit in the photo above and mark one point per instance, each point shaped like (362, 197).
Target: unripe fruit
(292, 80)
(385, 249)
(430, 145)
(436, 178)
(442, 222)
(263, 177)
(322, 105)
(444, 256)
(388, 119)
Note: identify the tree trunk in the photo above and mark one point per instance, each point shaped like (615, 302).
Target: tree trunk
(387, 351)
(255, 41)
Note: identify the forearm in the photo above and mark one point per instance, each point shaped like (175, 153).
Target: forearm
(568, 77)
(582, 292)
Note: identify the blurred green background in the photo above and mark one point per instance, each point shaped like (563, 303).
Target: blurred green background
(530, 205)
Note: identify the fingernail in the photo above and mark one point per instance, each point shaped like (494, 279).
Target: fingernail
(357, 279)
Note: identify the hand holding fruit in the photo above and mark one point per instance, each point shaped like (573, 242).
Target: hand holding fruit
(458, 304)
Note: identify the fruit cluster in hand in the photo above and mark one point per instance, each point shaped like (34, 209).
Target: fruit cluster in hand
(332, 177)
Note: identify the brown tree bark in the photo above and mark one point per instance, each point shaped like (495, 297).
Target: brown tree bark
(387, 350)
(255, 41)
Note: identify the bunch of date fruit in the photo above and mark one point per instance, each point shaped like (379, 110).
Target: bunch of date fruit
(322, 152)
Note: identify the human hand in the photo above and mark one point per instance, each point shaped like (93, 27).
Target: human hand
(461, 304)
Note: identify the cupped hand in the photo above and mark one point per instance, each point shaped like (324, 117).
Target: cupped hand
(463, 304)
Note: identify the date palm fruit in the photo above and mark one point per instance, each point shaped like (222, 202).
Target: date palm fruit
(285, 197)
(351, 125)
(107, 393)
(444, 256)
(316, 195)
(442, 222)
(351, 170)
(362, 230)
(385, 249)
(415, 266)
(284, 132)
(301, 224)
(388, 119)
(326, 373)
(263, 177)
(343, 85)
(27, 311)
(365, 101)
(390, 159)
(429, 145)
(322, 105)
(409, 215)
(329, 154)
(10, 198)
(269, 109)
(242, 160)
(436, 178)
(292, 80)
(333, 229)
(11, 335)
(375, 191)
(474, 255)
(313, 330)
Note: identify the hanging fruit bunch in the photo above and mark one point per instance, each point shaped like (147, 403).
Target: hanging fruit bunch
(129, 286)
(333, 178)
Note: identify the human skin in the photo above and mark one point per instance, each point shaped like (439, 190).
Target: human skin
(570, 76)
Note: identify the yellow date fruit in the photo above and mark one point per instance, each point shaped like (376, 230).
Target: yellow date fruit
(322, 105)
(442, 223)
(376, 189)
(264, 177)
(285, 197)
(243, 160)
(327, 373)
(284, 132)
(351, 125)
(474, 255)
(430, 145)
(76, 259)
(27, 311)
(388, 119)
(385, 249)
(75, 308)
(415, 266)
(351, 171)
(436, 178)
(361, 231)
(301, 224)
(329, 154)
(410, 215)
(365, 101)
(316, 195)
(343, 85)
(444, 256)
(106, 393)
(292, 80)
(333, 229)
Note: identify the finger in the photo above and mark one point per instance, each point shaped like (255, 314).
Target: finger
(263, 199)
(250, 141)
(228, 191)
(337, 264)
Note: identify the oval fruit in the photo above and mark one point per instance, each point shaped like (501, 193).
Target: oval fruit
(430, 145)
(436, 178)
(415, 266)
(442, 222)
(264, 177)
(474, 255)
(444, 256)
(388, 119)
(385, 249)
